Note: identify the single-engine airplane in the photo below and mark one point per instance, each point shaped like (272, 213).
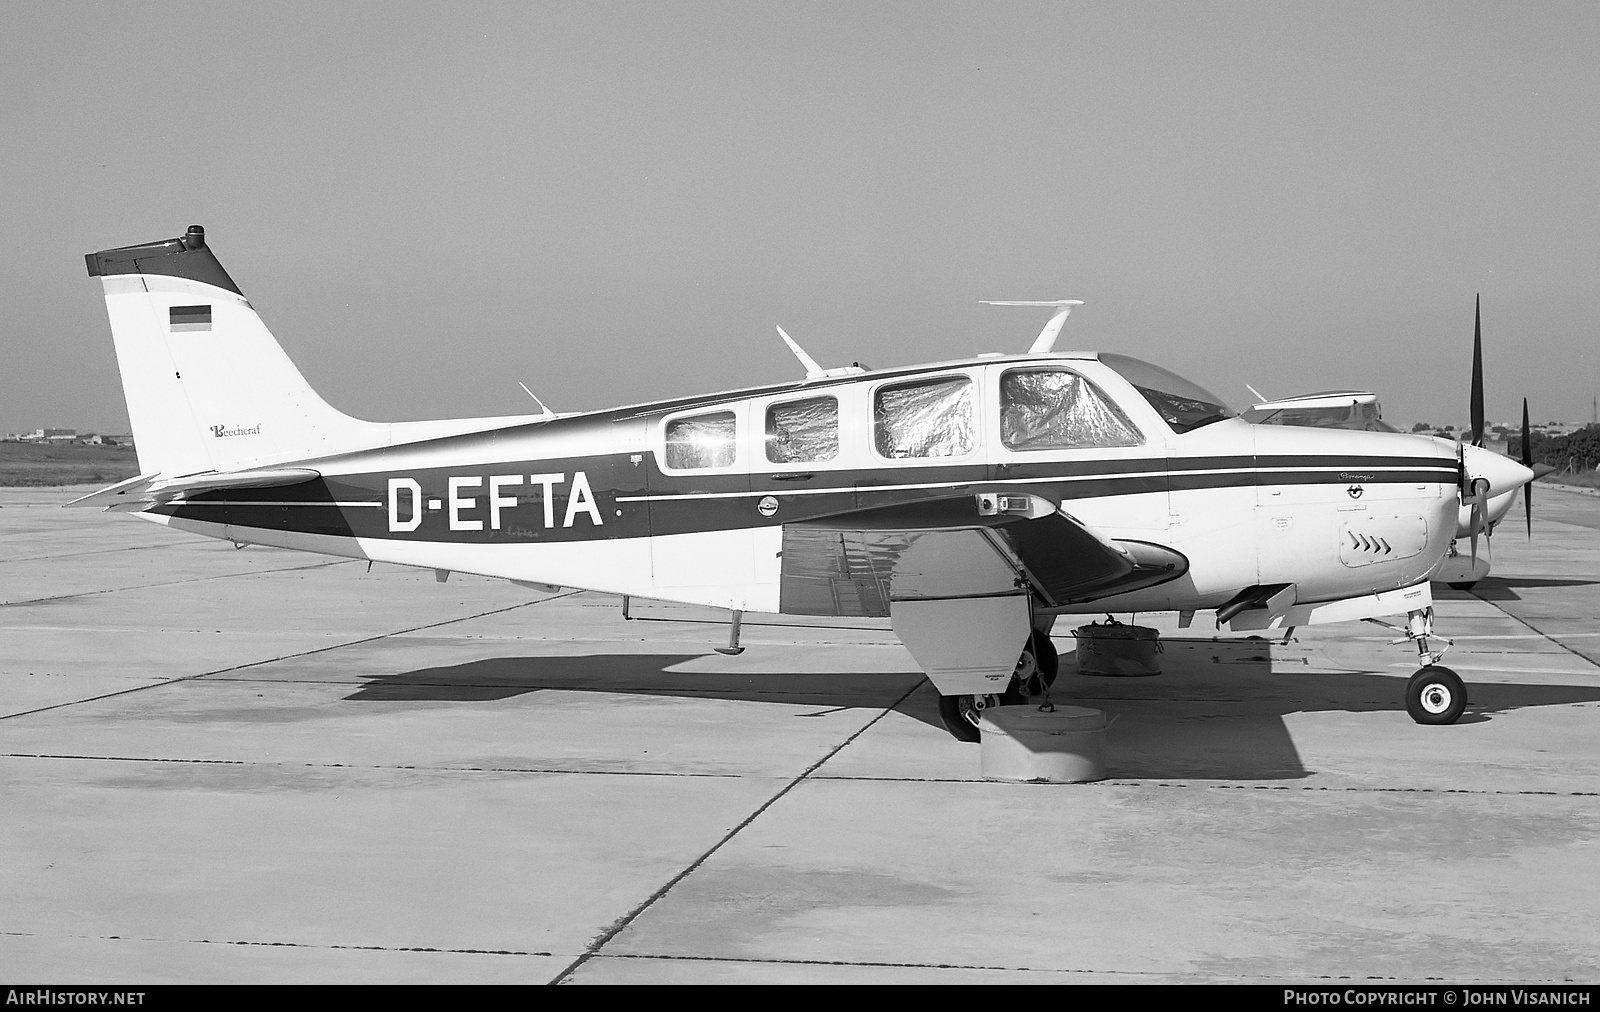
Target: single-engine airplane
(970, 502)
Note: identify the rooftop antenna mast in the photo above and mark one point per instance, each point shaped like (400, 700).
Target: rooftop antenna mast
(1047, 337)
(546, 412)
(813, 369)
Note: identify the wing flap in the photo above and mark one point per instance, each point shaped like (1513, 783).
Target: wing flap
(950, 547)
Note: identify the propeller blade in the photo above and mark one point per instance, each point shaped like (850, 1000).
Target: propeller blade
(1527, 462)
(1480, 503)
(1477, 526)
(1527, 507)
(1477, 372)
(1527, 446)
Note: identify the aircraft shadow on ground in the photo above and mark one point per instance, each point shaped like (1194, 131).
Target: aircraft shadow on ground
(634, 674)
(1199, 719)
(1495, 588)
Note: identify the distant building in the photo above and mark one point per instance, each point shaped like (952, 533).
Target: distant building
(49, 436)
(59, 436)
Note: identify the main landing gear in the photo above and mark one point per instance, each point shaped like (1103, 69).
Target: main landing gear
(1435, 694)
(1036, 672)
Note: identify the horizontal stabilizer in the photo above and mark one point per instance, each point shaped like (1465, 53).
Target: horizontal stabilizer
(147, 489)
(131, 490)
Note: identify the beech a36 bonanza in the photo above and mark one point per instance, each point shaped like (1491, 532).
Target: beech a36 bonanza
(969, 502)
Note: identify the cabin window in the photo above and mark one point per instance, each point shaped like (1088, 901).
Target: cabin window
(699, 441)
(1054, 409)
(802, 431)
(931, 418)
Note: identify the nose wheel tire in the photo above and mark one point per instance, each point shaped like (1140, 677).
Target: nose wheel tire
(1436, 695)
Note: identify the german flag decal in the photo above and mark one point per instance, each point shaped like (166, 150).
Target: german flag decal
(191, 318)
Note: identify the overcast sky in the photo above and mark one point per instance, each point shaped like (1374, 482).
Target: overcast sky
(616, 202)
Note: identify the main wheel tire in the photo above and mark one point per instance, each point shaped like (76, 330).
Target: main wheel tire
(962, 714)
(1436, 695)
(1049, 659)
(1036, 669)
(1465, 585)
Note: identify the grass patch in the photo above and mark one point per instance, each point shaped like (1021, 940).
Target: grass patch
(65, 464)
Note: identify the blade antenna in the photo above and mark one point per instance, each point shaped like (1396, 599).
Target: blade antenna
(1047, 337)
(542, 409)
(813, 370)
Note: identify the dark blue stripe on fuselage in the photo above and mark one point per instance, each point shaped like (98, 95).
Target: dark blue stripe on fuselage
(631, 499)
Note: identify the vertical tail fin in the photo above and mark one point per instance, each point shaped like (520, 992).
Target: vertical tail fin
(208, 387)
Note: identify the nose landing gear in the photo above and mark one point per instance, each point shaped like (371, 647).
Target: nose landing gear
(1435, 694)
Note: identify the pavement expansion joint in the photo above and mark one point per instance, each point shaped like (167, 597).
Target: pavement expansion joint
(1524, 622)
(869, 962)
(540, 770)
(1135, 975)
(288, 945)
(1339, 790)
(1100, 784)
(622, 922)
(284, 657)
(165, 547)
(174, 583)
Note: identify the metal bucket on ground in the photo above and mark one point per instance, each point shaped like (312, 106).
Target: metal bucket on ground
(1117, 649)
(1062, 745)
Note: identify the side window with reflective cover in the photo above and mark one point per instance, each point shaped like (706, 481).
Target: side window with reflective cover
(929, 418)
(699, 441)
(1056, 409)
(802, 431)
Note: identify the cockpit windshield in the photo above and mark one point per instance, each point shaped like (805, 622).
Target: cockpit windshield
(1183, 405)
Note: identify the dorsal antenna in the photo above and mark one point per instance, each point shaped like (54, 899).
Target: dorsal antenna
(542, 409)
(1046, 341)
(813, 370)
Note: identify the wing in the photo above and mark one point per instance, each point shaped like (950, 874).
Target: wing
(988, 544)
